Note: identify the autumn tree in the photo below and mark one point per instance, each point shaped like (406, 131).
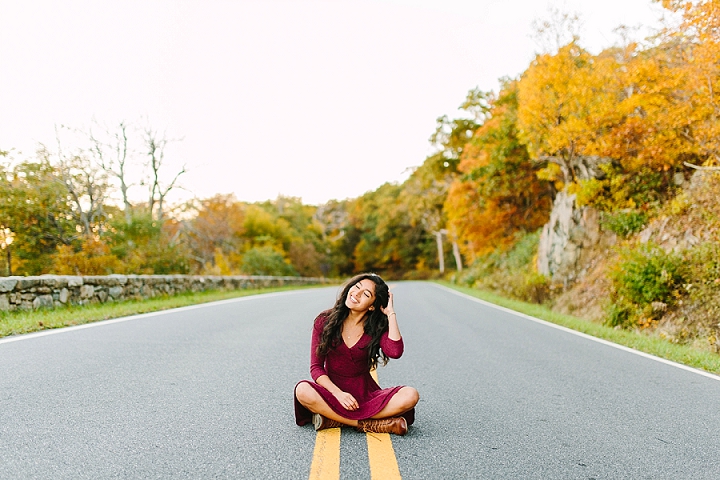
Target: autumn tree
(337, 237)
(35, 208)
(699, 39)
(307, 251)
(86, 186)
(217, 228)
(387, 242)
(146, 246)
(564, 101)
(595, 122)
(497, 194)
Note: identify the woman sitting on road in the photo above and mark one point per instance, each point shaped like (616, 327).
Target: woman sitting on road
(347, 343)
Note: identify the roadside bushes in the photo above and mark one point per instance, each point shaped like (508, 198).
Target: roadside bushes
(646, 280)
(512, 273)
(266, 260)
(623, 223)
(701, 311)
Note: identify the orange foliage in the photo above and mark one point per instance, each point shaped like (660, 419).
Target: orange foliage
(94, 258)
(656, 107)
(565, 101)
(699, 36)
(215, 233)
(499, 194)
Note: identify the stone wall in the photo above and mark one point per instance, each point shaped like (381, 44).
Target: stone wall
(49, 291)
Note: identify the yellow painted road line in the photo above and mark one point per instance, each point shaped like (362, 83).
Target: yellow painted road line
(383, 464)
(326, 457)
(381, 454)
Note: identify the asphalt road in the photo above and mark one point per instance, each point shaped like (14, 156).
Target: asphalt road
(206, 392)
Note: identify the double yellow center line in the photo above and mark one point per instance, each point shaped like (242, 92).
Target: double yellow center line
(326, 456)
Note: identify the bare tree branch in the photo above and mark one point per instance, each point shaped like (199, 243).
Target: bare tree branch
(699, 167)
(86, 185)
(155, 144)
(117, 164)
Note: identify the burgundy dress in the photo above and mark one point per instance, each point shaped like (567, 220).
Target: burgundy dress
(347, 367)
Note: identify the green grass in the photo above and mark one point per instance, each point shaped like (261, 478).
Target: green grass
(684, 354)
(18, 322)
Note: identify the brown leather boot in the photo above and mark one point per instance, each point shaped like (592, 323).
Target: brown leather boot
(396, 425)
(321, 423)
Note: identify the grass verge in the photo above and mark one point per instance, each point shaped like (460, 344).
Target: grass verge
(684, 354)
(19, 322)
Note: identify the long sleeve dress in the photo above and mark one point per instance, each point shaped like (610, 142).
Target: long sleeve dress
(347, 367)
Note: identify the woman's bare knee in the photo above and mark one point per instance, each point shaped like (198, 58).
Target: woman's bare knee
(305, 394)
(410, 397)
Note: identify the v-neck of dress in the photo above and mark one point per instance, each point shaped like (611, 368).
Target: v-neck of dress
(354, 344)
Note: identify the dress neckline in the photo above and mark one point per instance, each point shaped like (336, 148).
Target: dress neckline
(354, 344)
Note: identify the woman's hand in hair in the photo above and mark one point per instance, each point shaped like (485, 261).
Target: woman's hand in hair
(393, 328)
(390, 309)
(347, 401)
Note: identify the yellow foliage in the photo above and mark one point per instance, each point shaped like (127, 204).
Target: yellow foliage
(644, 108)
(94, 258)
(478, 228)
(565, 100)
(552, 173)
(679, 204)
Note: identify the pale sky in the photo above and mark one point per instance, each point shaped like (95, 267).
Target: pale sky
(307, 98)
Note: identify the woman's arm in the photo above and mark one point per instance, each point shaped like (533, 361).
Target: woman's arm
(319, 374)
(317, 362)
(393, 328)
(346, 400)
(391, 343)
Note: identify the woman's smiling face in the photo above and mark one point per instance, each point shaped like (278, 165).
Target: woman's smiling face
(361, 296)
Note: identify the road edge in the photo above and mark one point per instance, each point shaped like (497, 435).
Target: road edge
(580, 334)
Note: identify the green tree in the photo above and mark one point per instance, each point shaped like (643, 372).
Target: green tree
(266, 260)
(34, 205)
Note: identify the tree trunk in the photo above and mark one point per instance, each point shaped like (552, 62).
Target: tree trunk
(441, 255)
(458, 258)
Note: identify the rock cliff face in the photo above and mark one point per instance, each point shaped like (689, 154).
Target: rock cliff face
(566, 239)
(569, 231)
(572, 238)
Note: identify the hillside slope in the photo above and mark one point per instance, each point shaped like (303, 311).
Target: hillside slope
(684, 239)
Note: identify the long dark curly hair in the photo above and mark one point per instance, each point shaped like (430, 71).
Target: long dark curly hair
(376, 322)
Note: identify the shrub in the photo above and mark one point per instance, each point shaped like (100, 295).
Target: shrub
(645, 279)
(532, 287)
(703, 264)
(93, 258)
(624, 223)
(266, 260)
(621, 189)
(512, 272)
(523, 252)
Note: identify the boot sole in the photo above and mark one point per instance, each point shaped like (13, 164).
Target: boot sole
(317, 421)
